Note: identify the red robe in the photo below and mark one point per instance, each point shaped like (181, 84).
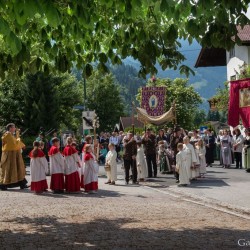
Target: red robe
(38, 169)
(72, 178)
(90, 174)
(56, 169)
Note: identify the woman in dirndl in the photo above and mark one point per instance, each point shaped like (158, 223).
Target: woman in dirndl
(226, 149)
(246, 151)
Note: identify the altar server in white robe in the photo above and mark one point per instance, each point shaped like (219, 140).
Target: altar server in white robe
(141, 163)
(38, 169)
(111, 161)
(191, 158)
(181, 165)
(88, 140)
(57, 167)
(72, 165)
(90, 171)
(201, 153)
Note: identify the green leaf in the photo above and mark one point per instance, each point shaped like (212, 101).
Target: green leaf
(4, 27)
(103, 68)
(117, 60)
(89, 57)
(88, 70)
(164, 5)
(44, 34)
(47, 46)
(38, 63)
(78, 48)
(184, 69)
(20, 14)
(46, 69)
(14, 43)
(103, 58)
(20, 71)
(51, 13)
(31, 7)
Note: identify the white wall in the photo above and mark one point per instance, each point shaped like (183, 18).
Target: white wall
(242, 55)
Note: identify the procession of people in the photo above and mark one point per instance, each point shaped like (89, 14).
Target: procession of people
(184, 154)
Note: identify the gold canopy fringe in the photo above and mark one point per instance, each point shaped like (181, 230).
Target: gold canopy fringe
(156, 120)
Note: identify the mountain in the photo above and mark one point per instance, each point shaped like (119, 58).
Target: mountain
(205, 81)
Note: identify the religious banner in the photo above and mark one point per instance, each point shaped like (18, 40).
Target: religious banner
(239, 103)
(153, 100)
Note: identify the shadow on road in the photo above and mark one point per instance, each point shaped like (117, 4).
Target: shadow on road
(208, 183)
(100, 194)
(120, 233)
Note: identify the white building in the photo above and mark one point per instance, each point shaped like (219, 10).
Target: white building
(239, 55)
(233, 59)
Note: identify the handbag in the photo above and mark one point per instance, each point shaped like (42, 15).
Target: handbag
(107, 167)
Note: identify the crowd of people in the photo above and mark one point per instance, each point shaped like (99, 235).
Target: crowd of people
(186, 154)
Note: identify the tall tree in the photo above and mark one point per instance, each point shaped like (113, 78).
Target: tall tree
(199, 118)
(46, 35)
(103, 96)
(12, 105)
(41, 101)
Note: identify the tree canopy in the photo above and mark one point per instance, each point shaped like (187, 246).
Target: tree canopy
(55, 34)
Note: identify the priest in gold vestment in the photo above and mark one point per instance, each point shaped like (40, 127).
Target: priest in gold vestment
(12, 168)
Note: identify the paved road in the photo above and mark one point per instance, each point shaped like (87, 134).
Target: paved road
(227, 187)
(146, 216)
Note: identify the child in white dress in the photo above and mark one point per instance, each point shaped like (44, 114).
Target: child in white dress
(182, 166)
(38, 169)
(201, 152)
(141, 163)
(111, 161)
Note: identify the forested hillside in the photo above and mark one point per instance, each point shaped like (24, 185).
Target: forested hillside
(205, 81)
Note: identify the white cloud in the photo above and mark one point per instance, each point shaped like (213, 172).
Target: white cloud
(200, 84)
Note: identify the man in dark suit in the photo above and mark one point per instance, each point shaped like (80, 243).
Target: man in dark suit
(149, 142)
(129, 157)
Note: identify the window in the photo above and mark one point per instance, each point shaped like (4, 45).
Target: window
(233, 78)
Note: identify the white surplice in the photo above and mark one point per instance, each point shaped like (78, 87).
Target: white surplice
(201, 152)
(38, 168)
(182, 167)
(57, 164)
(141, 164)
(71, 163)
(90, 172)
(111, 160)
(191, 159)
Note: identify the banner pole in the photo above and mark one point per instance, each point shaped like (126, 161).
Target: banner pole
(133, 122)
(175, 117)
